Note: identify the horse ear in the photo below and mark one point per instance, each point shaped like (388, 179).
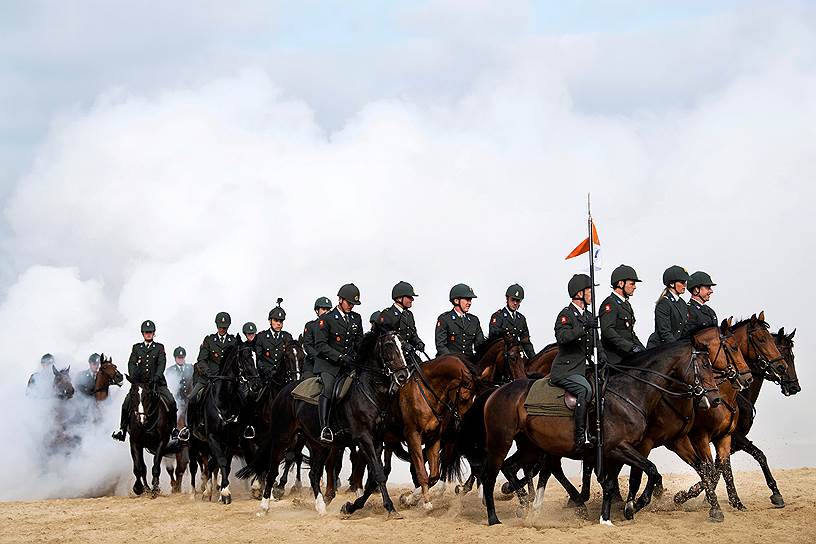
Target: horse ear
(54, 370)
(725, 325)
(790, 336)
(128, 378)
(753, 319)
(762, 316)
(781, 331)
(67, 370)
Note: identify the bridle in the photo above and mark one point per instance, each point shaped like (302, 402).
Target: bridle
(731, 372)
(765, 368)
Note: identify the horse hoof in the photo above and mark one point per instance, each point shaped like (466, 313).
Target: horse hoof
(428, 506)
(573, 503)
(680, 498)
(277, 493)
(507, 489)
(225, 499)
(777, 500)
(347, 509)
(658, 491)
(606, 522)
(155, 492)
(393, 515)
(716, 516)
(629, 510)
(494, 521)
(138, 488)
(741, 507)
(320, 505)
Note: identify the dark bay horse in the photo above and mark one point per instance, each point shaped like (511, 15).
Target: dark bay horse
(176, 464)
(789, 385)
(149, 425)
(379, 365)
(214, 418)
(632, 394)
(108, 375)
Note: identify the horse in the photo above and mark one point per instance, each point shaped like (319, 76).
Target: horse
(150, 427)
(214, 419)
(764, 359)
(176, 464)
(379, 365)
(789, 385)
(107, 375)
(62, 390)
(632, 395)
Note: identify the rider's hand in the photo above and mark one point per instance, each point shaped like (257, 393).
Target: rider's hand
(420, 346)
(591, 323)
(636, 349)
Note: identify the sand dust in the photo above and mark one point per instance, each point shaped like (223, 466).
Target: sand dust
(454, 520)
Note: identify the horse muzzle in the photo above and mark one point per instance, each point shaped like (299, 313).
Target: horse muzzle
(790, 388)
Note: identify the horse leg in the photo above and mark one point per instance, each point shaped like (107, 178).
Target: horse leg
(608, 485)
(433, 452)
(723, 447)
(139, 468)
(586, 479)
(358, 465)
(280, 487)
(626, 453)
(156, 471)
(332, 460)
(298, 465)
(554, 466)
(317, 464)
(376, 478)
(467, 486)
(414, 442)
(740, 442)
(700, 459)
(220, 457)
(497, 448)
(193, 466)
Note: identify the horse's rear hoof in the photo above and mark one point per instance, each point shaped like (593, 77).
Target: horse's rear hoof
(629, 510)
(716, 516)
(255, 494)
(393, 514)
(507, 489)
(658, 491)
(680, 497)
(277, 492)
(155, 492)
(347, 509)
(777, 500)
(494, 521)
(138, 488)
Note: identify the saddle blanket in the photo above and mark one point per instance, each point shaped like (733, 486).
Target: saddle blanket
(309, 389)
(545, 399)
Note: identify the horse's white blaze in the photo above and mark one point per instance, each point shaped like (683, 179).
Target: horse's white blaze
(539, 499)
(607, 522)
(141, 408)
(225, 492)
(320, 504)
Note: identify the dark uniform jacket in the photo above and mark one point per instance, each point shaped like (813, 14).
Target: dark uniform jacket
(39, 383)
(574, 343)
(618, 328)
(671, 316)
(503, 321)
(147, 362)
(86, 382)
(269, 350)
(455, 334)
(700, 315)
(179, 377)
(401, 322)
(309, 346)
(211, 353)
(337, 336)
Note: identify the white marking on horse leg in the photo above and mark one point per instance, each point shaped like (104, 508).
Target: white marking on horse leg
(359, 493)
(480, 493)
(428, 506)
(438, 489)
(265, 505)
(539, 499)
(256, 485)
(225, 492)
(607, 522)
(320, 504)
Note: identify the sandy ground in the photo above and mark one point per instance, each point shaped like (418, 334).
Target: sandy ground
(177, 518)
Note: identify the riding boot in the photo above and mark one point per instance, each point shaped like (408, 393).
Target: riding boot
(324, 412)
(581, 439)
(123, 423)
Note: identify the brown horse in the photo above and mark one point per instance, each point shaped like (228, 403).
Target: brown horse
(176, 464)
(671, 372)
(108, 375)
(762, 355)
(789, 384)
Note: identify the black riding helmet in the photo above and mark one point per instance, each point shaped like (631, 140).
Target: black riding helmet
(674, 274)
(323, 302)
(515, 291)
(578, 283)
(179, 352)
(698, 279)
(277, 312)
(402, 289)
(350, 292)
(223, 320)
(375, 317)
(249, 328)
(460, 290)
(148, 326)
(623, 273)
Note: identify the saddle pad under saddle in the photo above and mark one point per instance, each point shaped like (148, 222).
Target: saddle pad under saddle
(309, 389)
(545, 399)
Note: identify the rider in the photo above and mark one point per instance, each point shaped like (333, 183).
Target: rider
(146, 365)
(337, 340)
(38, 382)
(574, 331)
(180, 376)
(86, 380)
(700, 314)
(671, 311)
(269, 348)
(399, 318)
(211, 352)
(321, 307)
(250, 331)
(618, 318)
(457, 331)
(510, 320)
(375, 317)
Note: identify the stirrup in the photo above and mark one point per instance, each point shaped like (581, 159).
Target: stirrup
(119, 435)
(249, 432)
(326, 435)
(174, 433)
(184, 434)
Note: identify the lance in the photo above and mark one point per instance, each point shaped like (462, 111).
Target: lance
(599, 468)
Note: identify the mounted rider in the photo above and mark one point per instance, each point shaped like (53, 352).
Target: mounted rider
(574, 333)
(671, 311)
(86, 380)
(39, 383)
(510, 320)
(321, 306)
(399, 318)
(179, 377)
(700, 313)
(211, 353)
(457, 331)
(269, 349)
(338, 337)
(617, 317)
(146, 365)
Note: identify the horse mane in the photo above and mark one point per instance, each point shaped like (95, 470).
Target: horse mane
(747, 321)
(547, 347)
(638, 359)
(485, 346)
(230, 356)
(367, 344)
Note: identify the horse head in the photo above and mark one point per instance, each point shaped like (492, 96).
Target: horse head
(108, 374)
(763, 348)
(247, 373)
(790, 381)
(390, 352)
(63, 388)
(724, 353)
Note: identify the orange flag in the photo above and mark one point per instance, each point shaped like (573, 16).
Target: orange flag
(583, 247)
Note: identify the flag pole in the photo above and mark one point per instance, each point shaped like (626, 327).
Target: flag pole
(599, 468)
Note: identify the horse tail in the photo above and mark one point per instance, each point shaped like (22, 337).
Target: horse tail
(263, 461)
(399, 450)
(466, 442)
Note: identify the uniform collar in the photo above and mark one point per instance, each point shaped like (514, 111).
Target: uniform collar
(621, 297)
(580, 310)
(697, 302)
(512, 313)
(398, 308)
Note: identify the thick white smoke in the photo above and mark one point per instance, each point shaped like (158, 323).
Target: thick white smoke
(179, 201)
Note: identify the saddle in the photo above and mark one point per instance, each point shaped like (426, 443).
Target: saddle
(546, 399)
(309, 389)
